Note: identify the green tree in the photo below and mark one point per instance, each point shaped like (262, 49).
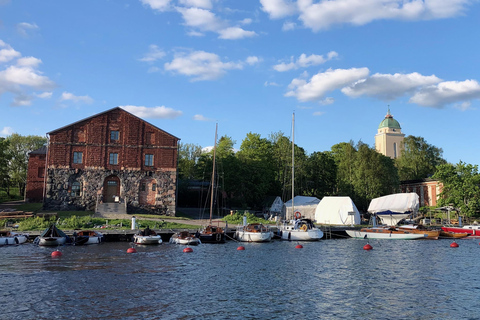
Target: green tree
(461, 187)
(5, 158)
(19, 148)
(344, 157)
(418, 159)
(188, 155)
(321, 174)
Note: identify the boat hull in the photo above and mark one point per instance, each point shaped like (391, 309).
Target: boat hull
(157, 239)
(51, 241)
(13, 239)
(246, 236)
(384, 235)
(187, 242)
(299, 235)
(212, 238)
(471, 231)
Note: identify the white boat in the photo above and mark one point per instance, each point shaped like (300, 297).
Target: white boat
(300, 230)
(52, 236)
(87, 237)
(10, 237)
(185, 238)
(147, 236)
(384, 233)
(253, 232)
(394, 207)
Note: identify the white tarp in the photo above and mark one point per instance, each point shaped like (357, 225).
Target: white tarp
(277, 206)
(305, 205)
(337, 211)
(394, 207)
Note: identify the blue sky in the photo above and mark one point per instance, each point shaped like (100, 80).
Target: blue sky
(183, 65)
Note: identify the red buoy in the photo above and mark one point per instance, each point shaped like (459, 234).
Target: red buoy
(367, 247)
(298, 246)
(131, 250)
(56, 253)
(241, 248)
(188, 249)
(454, 245)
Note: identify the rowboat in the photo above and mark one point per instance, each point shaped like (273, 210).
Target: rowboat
(454, 235)
(86, 237)
(147, 236)
(253, 232)
(10, 237)
(186, 238)
(384, 233)
(431, 234)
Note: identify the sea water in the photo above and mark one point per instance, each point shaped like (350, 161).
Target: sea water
(330, 279)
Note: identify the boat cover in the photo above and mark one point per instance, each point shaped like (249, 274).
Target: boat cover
(305, 205)
(395, 203)
(53, 231)
(335, 210)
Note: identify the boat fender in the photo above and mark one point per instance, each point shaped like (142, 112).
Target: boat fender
(16, 240)
(304, 227)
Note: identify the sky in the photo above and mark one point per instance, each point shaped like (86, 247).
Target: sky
(184, 65)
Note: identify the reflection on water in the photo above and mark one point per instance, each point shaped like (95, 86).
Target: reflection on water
(334, 279)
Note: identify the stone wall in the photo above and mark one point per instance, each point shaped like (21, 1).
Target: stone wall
(59, 182)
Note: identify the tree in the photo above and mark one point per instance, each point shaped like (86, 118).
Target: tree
(19, 148)
(188, 155)
(344, 156)
(418, 159)
(5, 158)
(461, 187)
(321, 174)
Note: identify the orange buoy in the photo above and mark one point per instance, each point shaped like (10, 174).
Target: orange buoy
(131, 250)
(298, 246)
(454, 245)
(367, 247)
(188, 249)
(241, 248)
(56, 253)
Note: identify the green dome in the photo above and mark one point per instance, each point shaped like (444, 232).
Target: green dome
(389, 122)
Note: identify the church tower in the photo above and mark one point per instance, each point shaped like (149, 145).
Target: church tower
(389, 137)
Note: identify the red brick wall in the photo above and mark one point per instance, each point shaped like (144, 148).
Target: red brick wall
(35, 179)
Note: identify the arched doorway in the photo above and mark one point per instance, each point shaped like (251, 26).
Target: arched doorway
(148, 191)
(111, 188)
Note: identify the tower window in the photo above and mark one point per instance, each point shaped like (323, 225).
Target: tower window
(395, 150)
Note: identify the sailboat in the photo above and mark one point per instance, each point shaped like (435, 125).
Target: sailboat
(298, 228)
(211, 233)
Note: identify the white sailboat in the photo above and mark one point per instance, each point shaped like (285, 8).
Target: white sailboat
(298, 228)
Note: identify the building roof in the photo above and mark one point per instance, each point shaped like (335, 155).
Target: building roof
(107, 111)
(42, 150)
(389, 122)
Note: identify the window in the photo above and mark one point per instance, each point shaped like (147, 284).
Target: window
(149, 160)
(75, 189)
(395, 150)
(77, 157)
(154, 187)
(114, 135)
(113, 158)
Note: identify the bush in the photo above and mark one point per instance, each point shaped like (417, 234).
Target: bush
(237, 218)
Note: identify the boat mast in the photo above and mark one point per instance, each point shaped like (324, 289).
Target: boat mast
(213, 173)
(293, 165)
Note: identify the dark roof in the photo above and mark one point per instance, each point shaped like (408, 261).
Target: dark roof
(107, 111)
(42, 150)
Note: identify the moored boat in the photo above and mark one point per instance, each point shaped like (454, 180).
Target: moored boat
(52, 236)
(431, 234)
(212, 234)
(253, 232)
(86, 237)
(147, 236)
(10, 237)
(452, 235)
(300, 230)
(186, 238)
(471, 230)
(384, 233)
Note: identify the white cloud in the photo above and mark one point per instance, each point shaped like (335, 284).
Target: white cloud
(318, 113)
(153, 113)
(14, 76)
(158, 5)
(199, 117)
(6, 131)
(234, 33)
(67, 96)
(305, 61)
(287, 26)
(246, 21)
(389, 86)
(463, 106)
(447, 92)
(322, 15)
(44, 95)
(278, 8)
(24, 27)
(154, 53)
(202, 19)
(252, 60)
(7, 53)
(30, 62)
(21, 100)
(205, 4)
(321, 83)
(200, 65)
(273, 84)
(327, 101)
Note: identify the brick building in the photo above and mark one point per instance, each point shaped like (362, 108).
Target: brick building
(428, 190)
(36, 175)
(113, 156)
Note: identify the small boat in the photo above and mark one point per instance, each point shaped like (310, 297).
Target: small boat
(454, 235)
(384, 233)
(86, 237)
(212, 234)
(253, 232)
(10, 237)
(147, 236)
(52, 236)
(431, 234)
(186, 238)
(300, 230)
(472, 230)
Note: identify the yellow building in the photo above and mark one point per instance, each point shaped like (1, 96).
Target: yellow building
(389, 138)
